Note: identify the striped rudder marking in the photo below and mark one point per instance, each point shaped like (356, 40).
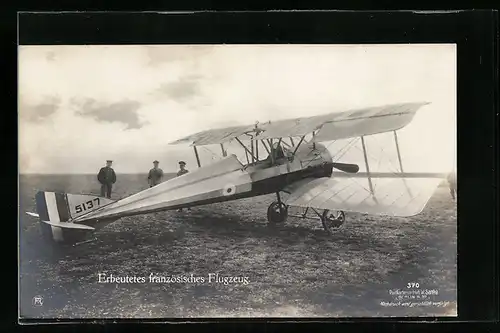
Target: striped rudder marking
(41, 206)
(52, 207)
(50, 200)
(54, 214)
(62, 206)
(45, 213)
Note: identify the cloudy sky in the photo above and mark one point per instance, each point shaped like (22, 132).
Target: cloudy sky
(81, 105)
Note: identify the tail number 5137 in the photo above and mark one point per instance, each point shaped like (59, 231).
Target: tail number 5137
(87, 205)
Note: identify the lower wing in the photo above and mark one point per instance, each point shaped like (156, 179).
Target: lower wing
(397, 194)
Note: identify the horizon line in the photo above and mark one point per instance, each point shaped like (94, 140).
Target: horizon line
(82, 173)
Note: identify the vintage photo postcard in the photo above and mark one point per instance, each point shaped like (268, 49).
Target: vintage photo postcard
(184, 181)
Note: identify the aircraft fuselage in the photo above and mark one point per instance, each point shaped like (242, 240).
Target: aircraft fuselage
(225, 180)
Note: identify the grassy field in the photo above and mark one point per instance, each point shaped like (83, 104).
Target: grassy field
(293, 270)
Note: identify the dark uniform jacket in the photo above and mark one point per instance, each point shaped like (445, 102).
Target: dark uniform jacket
(452, 180)
(181, 172)
(106, 175)
(155, 176)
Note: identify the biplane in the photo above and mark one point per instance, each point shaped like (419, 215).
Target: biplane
(298, 168)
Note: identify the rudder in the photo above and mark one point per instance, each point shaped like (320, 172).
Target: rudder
(57, 210)
(47, 209)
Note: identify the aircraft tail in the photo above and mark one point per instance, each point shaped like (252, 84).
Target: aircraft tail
(56, 211)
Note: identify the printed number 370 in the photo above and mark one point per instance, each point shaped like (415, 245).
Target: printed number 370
(412, 285)
(87, 205)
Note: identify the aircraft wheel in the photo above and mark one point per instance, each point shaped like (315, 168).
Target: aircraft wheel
(332, 220)
(277, 212)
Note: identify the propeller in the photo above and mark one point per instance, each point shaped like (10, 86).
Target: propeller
(350, 168)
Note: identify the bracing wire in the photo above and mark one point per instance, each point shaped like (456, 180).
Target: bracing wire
(212, 153)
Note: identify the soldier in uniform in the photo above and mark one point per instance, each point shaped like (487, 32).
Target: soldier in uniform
(107, 178)
(452, 182)
(183, 170)
(155, 175)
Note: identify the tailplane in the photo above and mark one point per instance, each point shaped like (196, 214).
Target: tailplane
(56, 212)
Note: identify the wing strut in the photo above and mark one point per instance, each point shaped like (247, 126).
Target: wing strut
(397, 148)
(197, 156)
(256, 149)
(224, 153)
(298, 145)
(252, 151)
(246, 149)
(270, 141)
(400, 161)
(246, 155)
(367, 166)
(264, 144)
(286, 144)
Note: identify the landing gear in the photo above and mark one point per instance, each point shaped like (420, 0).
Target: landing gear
(332, 220)
(277, 211)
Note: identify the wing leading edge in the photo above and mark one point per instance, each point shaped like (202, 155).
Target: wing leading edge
(332, 126)
(214, 136)
(396, 196)
(369, 122)
(348, 124)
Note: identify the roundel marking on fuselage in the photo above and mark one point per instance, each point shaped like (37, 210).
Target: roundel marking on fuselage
(229, 189)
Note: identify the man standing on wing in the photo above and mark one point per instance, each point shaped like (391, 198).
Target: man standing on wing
(182, 171)
(107, 178)
(155, 175)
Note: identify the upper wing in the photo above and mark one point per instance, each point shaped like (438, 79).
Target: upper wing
(348, 124)
(368, 121)
(332, 126)
(397, 195)
(215, 136)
